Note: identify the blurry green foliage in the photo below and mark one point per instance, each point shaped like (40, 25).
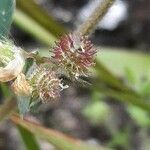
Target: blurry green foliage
(41, 16)
(142, 86)
(130, 76)
(120, 139)
(141, 117)
(96, 111)
(26, 23)
(5, 90)
(6, 13)
(118, 60)
(28, 138)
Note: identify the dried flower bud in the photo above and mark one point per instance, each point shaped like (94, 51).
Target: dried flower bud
(12, 61)
(46, 85)
(75, 54)
(21, 86)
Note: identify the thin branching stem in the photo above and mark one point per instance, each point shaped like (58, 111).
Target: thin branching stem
(95, 17)
(58, 139)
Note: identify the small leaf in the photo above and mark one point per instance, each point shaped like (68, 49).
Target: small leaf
(28, 64)
(23, 104)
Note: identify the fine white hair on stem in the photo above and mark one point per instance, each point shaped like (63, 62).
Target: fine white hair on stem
(95, 17)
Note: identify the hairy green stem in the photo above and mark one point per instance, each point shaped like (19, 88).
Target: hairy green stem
(95, 17)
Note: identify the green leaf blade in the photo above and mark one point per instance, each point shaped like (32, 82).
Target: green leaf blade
(6, 13)
(28, 139)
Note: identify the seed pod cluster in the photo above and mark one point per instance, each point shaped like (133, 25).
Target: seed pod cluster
(74, 54)
(46, 85)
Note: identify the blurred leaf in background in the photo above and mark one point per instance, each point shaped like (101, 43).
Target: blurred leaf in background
(7, 8)
(28, 139)
(6, 13)
(97, 111)
(141, 117)
(41, 16)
